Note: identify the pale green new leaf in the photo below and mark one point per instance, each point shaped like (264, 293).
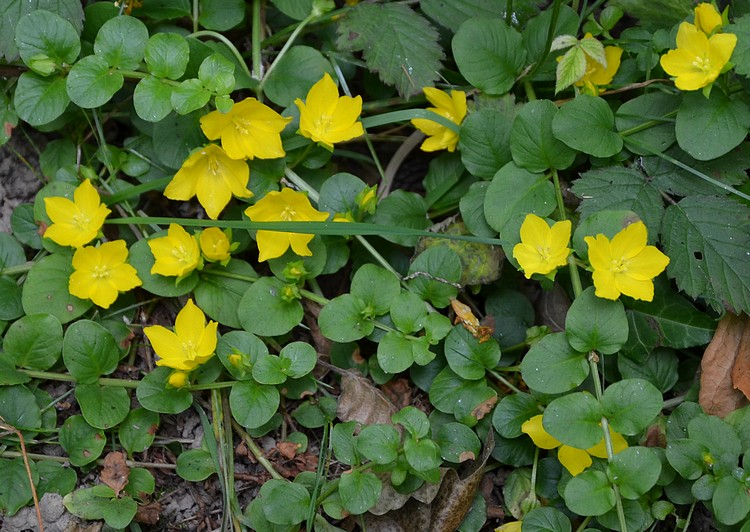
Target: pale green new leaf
(708, 242)
(396, 42)
(570, 69)
(594, 49)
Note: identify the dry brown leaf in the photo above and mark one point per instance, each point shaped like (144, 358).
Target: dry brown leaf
(287, 449)
(148, 514)
(361, 401)
(718, 394)
(398, 392)
(741, 368)
(484, 408)
(115, 472)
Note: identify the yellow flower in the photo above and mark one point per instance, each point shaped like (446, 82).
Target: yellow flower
(543, 249)
(215, 244)
(212, 176)
(513, 526)
(101, 273)
(191, 344)
(327, 118)
(76, 223)
(598, 75)
(176, 254)
(573, 459)
(626, 265)
(178, 379)
(453, 108)
(707, 18)
(250, 129)
(285, 206)
(698, 59)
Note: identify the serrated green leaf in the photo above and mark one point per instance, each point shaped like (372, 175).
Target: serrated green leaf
(741, 54)
(563, 41)
(397, 43)
(620, 188)
(11, 12)
(570, 69)
(594, 49)
(489, 54)
(587, 124)
(707, 240)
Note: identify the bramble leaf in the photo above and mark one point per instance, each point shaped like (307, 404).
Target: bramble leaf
(396, 42)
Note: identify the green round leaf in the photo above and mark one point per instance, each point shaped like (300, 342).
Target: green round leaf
(18, 408)
(34, 341)
(552, 366)
(100, 502)
(596, 324)
(249, 346)
(92, 83)
(731, 502)
(532, 142)
(15, 491)
(513, 411)
(195, 465)
(413, 420)
(458, 443)
(189, 96)
(448, 391)
(589, 493)
(219, 296)
(156, 395)
(301, 358)
(546, 519)
(408, 312)
(46, 290)
(512, 194)
(121, 42)
(45, 33)
(635, 470)
(11, 251)
(686, 456)
(89, 351)
(140, 483)
(489, 54)
(422, 455)
(434, 275)
(376, 286)
(641, 111)
(54, 477)
(575, 419)
(40, 100)
(395, 353)
(284, 503)
(485, 142)
(359, 491)
(586, 124)
(81, 441)
(719, 437)
(152, 98)
(631, 404)
(378, 443)
(23, 226)
(102, 407)
(344, 319)
(402, 209)
(221, 15)
(298, 70)
(709, 128)
(262, 311)
(253, 404)
(269, 369)
(136, 432)
(339, 192)
(141, 258)
(10, 299)
(468, 357)
(167, 55)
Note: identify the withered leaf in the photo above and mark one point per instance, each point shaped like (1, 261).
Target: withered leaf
(718, 394)
(115, 472)
(287, 449)
(361, 401)
(484, 408)
(741, 368)
(148, 514)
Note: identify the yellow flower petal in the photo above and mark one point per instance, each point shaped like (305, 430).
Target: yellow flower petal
(541, 438)
(618, 444)
(698, 59)
(635, 288)
(514, 526)
(176, 254)
(649, 263)
(191, 344)
(630, 241)
(101, 273)
(604, 282)
(76, 223)
(214, 244)
(326, 117)
(178, 379)
(574, 460)
(707, 18)
(452, 107)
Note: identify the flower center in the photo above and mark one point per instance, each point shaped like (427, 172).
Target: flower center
(702, 63)
(619, 266)
(322, 123)
(544, 252)
(188, 348)
(81, 220)
(242, 125)
(288, 214)
(213, 166)
(181, 254)
(100, 272)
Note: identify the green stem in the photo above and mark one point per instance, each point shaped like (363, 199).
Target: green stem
(509, 12)
(550, 38)
(196, 14)
(592, 359)
(257, 29)
(228, 44)
(575, 278)
(534, 467)
(503, 380)
(104, 381)
(18, 269)
(583, 524)
(529, 88)
(257, 452)
(66, 460)
(405, 115)
(287, 45)
(689, 516)
(646, 125)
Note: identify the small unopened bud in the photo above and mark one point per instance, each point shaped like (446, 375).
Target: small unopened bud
(178, 379)
(42, 64)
